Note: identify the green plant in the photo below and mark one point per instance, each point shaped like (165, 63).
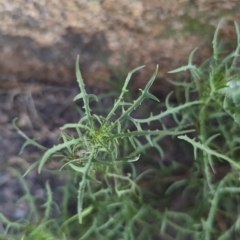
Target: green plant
(97, 142)
(216, 144)
(111, 200)
(39, 222)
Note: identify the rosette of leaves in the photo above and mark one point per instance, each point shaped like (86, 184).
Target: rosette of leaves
(97, 140)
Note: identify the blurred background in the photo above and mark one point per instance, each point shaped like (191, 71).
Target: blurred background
(39, 40)
(39, 43)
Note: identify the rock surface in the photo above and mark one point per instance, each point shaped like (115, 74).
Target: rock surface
(39, 40)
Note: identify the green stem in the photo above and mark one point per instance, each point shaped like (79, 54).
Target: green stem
(82, 185)
(203, 138)
(207, 185)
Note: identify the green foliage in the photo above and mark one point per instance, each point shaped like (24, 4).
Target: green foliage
(39, 222)
(98, 144)
(111, 202)
(97, 138)
(216, 119)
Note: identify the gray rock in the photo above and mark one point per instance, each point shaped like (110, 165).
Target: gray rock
(40, 39)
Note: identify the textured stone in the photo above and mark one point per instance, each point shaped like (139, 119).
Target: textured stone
(39, 40)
